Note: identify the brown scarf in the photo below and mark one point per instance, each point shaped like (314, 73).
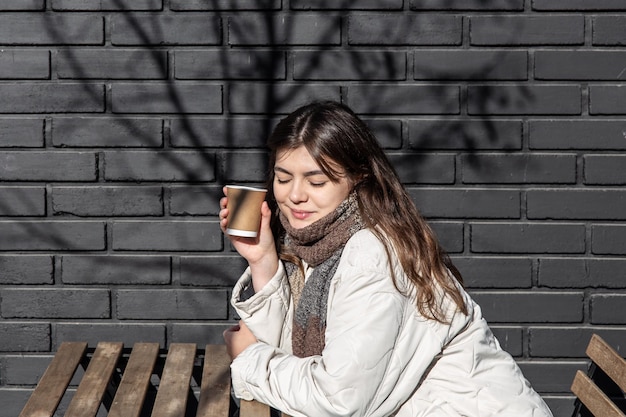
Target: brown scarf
(319, 245)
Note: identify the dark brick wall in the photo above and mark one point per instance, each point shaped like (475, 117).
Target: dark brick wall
(120, 120)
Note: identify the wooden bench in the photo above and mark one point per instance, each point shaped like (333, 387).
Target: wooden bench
(138, 382)
(600, 392)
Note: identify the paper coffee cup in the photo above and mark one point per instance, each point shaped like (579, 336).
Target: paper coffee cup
(244, 210)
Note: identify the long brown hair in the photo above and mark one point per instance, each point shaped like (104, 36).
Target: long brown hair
(337, 138)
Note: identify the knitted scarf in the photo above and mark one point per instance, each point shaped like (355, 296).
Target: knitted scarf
(320, 245)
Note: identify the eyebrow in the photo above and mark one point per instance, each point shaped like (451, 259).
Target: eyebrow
(306, 174)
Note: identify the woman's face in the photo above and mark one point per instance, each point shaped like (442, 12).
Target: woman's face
(303, 192)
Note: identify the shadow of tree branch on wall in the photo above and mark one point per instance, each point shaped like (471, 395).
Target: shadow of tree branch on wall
(180, 119)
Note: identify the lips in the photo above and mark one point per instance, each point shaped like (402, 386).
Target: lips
(301, 214)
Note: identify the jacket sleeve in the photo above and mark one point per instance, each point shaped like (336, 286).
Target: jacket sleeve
(264, 312)
(365, 316)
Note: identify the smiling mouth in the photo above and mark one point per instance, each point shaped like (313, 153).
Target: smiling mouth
(300, 215)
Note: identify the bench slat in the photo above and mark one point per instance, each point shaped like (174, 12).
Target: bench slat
(86, 401)
(608, 359)
(594, 399)
(45, 399)
(253, 409)
(171, 399)
(215, 387)
(132, 391)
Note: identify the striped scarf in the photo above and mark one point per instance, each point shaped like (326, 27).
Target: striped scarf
(320, 245)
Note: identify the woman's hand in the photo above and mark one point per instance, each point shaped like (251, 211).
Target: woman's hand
(260, 251)
(238, 338)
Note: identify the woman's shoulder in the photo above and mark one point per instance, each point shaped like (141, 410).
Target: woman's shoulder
(366, 251)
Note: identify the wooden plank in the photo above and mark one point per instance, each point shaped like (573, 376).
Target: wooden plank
(45, 399)
(253, 409)
(171, 400)
(593, 398)
(603, 355)
(133, 388)
(88, 397)
(215, 386)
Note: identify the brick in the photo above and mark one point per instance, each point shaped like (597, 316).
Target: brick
(115, 270)
(202, 334)
(515, 30)
(159, 166)
(580, 65)
(221, 5)
(530, 306)
(577, 134)
(349, 65)
(550, 376)
(102, 5)
(516, 5)
(52, 235)
(56, 303)
(578, 5)
(510, 338)
(24, 336)
(467, 203)
(571, 342)
(278, 98)
(230, 65)
(245, 166)
(561, 405)
(602, 308)
(127, 333)
(107, 201)
(27, 133)
(105, 132)
(22, 201)
(47, 166)
(12, 400)
(604, 169)
(423, 168)
(449, 234)
(155, 29)
(464, 134)
(25, 370)
(401, 99)
(24, 64)
(111, 64)
(296, 29)
(166, 98)
(222, 271)
(193, 132)
(608, 239)
(401, 29)
(576, 204)
(51, 98)
(604, 99)
(388, 132)
(518, 168)
(26, 269)
(524, 99)
(166, 236)
(51, 29)
(23, 5)
(451, 64)
(174, 304)
(609, 30)
(352, 5)
(495, 272)
(194, 200)
(582, 272)
(527, 238)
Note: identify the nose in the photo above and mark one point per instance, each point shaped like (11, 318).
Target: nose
(297, 194)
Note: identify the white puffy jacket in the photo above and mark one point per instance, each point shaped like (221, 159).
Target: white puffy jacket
(381, 358)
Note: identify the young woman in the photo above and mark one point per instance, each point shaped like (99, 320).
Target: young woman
(349, 306)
